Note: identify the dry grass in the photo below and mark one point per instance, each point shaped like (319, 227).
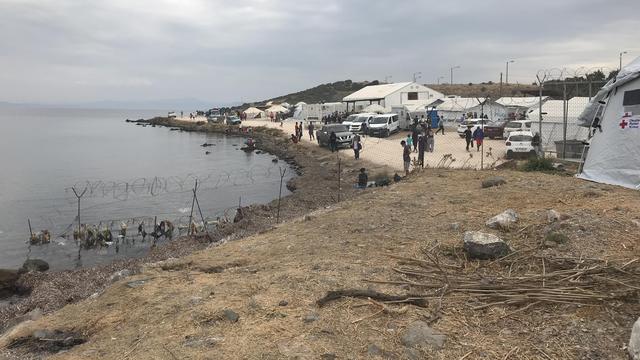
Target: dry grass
(358, 241)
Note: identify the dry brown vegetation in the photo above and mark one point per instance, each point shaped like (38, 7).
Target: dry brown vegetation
(397, 240)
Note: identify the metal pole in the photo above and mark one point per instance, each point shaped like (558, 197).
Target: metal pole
(339, 170)
(30, 231)
(540, 82)
(282, 172)
(564, 120)
(193, 203)
(506, 75)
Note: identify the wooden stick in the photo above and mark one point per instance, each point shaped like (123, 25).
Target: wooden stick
(416, 300)
(465, 355)
(510, 352)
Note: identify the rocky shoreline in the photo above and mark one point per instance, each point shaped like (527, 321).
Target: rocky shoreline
(316, 172)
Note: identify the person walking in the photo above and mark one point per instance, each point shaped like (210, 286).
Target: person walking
(440, 125)
(333, 141)
(363, 179)
(422, 146)
(406, 156)
(409, 141)
(300, 131)
(357, 146)
(468, 137)
(414, 137)
(478, 136)
(430, 140)
(295, 129)
(311, 134)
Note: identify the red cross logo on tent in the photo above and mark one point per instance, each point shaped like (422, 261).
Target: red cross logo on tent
(623, 124)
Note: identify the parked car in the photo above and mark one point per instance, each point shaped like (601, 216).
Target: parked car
(355, 121)
(171, 115)
(474, 123)
(518, 144)
(344, 137)
(232, 120)
(384, 125)
(495, 129)
(516, 125)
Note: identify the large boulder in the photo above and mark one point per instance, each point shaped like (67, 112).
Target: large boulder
(419, 334)
(34, 265)
(493, 181)
(480, 245)
(8, 279)
(634, 341)
(504, 220)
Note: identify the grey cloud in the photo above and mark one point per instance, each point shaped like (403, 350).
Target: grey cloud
(74, 50)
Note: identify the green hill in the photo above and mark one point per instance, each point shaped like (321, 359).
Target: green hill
(331, 92)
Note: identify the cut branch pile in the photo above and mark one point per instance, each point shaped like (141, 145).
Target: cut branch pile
(525, 279)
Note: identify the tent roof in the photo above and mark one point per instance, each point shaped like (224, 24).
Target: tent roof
(554, 108)
(375, 108)
(375, 92)
(458, 104)
(524, 102)
(252, 110)
(627, 74)
(277, 108)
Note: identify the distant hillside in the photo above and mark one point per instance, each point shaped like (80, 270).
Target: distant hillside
(332, 92)
(487, 89)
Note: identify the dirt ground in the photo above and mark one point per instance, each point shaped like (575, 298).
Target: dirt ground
(269, 283)
(449, 149)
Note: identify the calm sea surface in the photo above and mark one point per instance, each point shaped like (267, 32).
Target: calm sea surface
(131, 174)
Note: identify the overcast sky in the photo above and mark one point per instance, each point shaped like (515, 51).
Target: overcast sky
(60, 51)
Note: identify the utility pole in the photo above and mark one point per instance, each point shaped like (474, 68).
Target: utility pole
(453, 68)
(621, 54)
(416, 76)
(506, 74)
(439, 78)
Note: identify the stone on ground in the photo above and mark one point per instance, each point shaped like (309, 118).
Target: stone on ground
(8, 280)
(493, 181)
(35, 265)
(480, 245)
(420, 334)
(504, 220)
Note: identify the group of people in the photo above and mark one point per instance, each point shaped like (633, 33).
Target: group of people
(476, 135)
(298, 130)
(334, 117)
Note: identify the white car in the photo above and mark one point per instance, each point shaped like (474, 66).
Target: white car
(384, 125)
(519, 144)
(355, 121)
(474, 123)
(516, 125)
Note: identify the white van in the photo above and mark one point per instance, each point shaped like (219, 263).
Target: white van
(355, 121)
(384, 125)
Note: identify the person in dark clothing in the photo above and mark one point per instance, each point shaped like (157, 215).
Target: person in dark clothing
(414, 137)
(536, 143)
(363, 179)
(422, 146)
(440, 125)
(364, 128)
(311, 135)
(468, 136)
(333, 141)
(406, 156)
(478, 136)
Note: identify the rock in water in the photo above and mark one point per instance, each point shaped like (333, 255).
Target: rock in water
(634, 341)
(35, 265)
(8, 280)
(484, 246)
(419, 334)
(504, 220)
(494, 181)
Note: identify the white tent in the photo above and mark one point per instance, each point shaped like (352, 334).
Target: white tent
(277, 109)
(614, 153)
(375, 108)
(253, 113)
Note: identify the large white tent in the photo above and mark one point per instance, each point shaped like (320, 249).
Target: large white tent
(553, 121)
(277, 109)
(253, 113)
(614, 153)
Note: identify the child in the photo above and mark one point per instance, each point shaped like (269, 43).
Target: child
(409, 140)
